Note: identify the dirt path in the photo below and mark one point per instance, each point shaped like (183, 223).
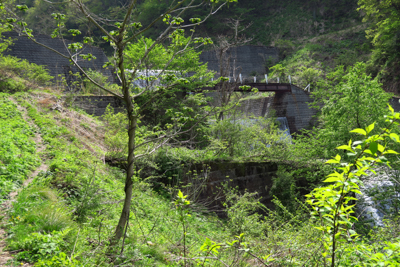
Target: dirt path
(6, 255)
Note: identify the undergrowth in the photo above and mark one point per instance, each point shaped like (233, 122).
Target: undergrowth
(67, 215)
(17, 149)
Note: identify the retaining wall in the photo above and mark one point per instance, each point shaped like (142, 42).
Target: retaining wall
(247, 177)
(293, 105)
(26, 49)
(247, 58)
(96, 105)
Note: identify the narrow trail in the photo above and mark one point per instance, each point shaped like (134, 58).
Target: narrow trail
(7, 255)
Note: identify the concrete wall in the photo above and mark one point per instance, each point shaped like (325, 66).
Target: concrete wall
(26, 49)
(294, 106)
(96, 105)
(248, 58)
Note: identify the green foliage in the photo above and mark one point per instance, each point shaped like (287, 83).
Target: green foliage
(175, 79)
(115, 137)
(5, 42)
(243, 211)
(355, 102)
(312, 60)
(18, 75)
(286, 48)
(58, 260)
(280, 72)
(41, 246)
(237, 137)
(309, 76)
(161, 111)
(38, 209)
(17, 150)
(284, 188)
(333, 204)
(89, 88)
(384, 21)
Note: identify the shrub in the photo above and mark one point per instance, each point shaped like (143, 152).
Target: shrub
(242, 211)
(38, 246)
(18, 75)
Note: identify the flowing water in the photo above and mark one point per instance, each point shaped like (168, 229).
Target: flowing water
(284, 128)
(381, 196)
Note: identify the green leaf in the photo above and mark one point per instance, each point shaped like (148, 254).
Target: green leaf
(373, 147)
(332, 179)
(359, 131)
(391, 109)
(333, 161)
(394, 137)
(390, 152)
(345, 147)
(370, 127)
(381, 148)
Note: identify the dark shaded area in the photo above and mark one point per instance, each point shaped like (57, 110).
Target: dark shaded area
(57, 65)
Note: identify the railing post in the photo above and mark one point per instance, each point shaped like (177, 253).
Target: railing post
(255, 79)
(240, 78)
(266, 78)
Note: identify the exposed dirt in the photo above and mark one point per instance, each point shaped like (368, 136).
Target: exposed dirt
(88, 130)
(5, 255)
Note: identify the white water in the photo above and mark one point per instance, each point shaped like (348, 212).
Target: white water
(145, 78)
(284, 127)
(142, 80)
(380, 196)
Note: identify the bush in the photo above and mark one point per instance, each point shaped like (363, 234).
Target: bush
(38, 209)
(89, 88)
(18, 75)
(17, 150)
(242, 211)
(38, 246)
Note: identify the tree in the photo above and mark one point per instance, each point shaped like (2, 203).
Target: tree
(355, 102)
(226, 57)
(384, 32)
(119, 35)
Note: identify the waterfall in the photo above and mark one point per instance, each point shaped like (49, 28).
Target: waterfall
(142, 76)
(284, 127)
(380, 196)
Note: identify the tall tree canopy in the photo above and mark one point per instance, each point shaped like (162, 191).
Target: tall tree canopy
(384, 31)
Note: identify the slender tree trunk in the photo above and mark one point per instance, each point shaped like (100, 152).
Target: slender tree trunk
(132, 118)
(119, 231)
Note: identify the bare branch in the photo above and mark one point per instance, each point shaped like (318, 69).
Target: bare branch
(82, 7)
(94, 82)
(156, 20)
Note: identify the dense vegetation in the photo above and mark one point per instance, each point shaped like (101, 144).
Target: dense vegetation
(70, 213)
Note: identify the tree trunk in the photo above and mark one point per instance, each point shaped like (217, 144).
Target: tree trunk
(119, 231)
(132, 118)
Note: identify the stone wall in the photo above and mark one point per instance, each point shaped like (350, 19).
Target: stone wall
(249, 176)
(247, 58)
(26, 49)
(96, 105)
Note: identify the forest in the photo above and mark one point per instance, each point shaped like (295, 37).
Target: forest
(165, 181)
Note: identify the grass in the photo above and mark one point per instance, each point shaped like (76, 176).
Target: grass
(17, 149)
(68, 213)
(79, 191)
(79, 199)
